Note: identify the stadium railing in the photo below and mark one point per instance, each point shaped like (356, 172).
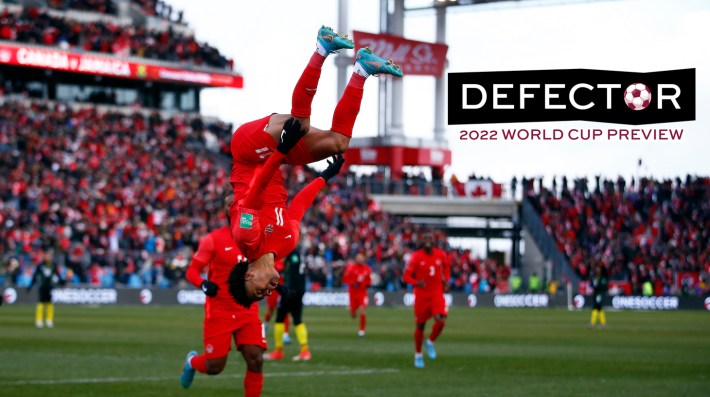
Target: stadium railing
(562, 270)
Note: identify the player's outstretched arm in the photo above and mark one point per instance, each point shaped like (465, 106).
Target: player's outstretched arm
(303, 200)
(290, 135)
(409, 275)
(333, 168)
(202, 257)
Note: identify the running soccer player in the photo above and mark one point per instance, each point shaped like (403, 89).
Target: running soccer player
(428, 270)
(357, 278)
(292, 303)
(224, 319)
(266, 233)
(47, 276)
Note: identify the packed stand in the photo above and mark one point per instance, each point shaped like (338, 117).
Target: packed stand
(37, 27)
(159, 9)
(649, 232)
(344, 221)
(100, 6)
(119, 198)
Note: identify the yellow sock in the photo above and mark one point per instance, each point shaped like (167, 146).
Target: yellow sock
(279, 335)
(602, 317)
(302, 335)
(595, 314)
(50, 311)
(39, 313)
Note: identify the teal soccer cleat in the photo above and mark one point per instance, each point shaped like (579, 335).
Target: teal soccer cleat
(188, 373)
(333, 42)
(430, 350)
(418, 362)
(373, 64)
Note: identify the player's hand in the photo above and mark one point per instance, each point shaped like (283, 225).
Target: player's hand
(209, 288)
(420, 284)
(333, 167)
(290, 135)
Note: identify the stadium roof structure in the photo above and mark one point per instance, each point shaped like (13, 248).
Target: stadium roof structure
(77, 61)
(133, 68)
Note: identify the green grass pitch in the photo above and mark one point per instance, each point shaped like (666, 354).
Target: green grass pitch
(138, 351)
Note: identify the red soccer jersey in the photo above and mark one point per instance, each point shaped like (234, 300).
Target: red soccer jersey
(357, 277)
(218, 250)
(432, 268)
(251, 146)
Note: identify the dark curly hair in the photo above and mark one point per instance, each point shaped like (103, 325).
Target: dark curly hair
(237, 288)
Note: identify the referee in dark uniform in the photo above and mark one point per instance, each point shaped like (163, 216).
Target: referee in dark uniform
(46, 276)
(600, 285)
(291, 302)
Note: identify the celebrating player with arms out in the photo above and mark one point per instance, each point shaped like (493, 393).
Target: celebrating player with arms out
(357, 277)
(224, 318)
(429, 272)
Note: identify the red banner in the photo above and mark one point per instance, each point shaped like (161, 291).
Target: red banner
(382, 155)
(46, 58)
(415, 57)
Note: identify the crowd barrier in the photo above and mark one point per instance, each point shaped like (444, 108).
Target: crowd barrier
(339, 298)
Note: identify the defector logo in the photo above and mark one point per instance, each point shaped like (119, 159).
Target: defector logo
(571, 94)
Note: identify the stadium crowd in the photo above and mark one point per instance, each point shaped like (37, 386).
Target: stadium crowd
(111, 192)
(123, 198)
(36, 26)
(100, 6)
(646, 231)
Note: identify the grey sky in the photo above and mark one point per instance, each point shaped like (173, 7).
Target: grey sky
(271, 42)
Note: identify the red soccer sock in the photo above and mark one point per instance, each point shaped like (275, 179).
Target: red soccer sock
(418, 340)
(287, 321)
(306, 87)
(253, 383)
(363, 321)
(436, 330)
(199, 363)
(348, 107)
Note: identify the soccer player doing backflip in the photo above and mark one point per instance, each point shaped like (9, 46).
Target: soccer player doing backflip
(255, 142)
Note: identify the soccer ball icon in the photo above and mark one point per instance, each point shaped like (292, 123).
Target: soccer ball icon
(637, 96)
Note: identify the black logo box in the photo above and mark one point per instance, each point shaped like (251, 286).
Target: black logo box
(535, 110)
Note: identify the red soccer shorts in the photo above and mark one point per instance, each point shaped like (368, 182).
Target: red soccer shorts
(357, 300)
(218, 332)
(252, 144)
(259, 232)
(427, 306)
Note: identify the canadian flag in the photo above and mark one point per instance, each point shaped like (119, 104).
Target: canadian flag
(483, 188)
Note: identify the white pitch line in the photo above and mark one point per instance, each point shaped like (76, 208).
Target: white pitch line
(228, 376)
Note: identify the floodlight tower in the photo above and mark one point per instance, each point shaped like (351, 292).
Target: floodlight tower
(391, 147)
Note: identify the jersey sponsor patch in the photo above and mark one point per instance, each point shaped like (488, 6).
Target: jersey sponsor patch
(245, 221)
